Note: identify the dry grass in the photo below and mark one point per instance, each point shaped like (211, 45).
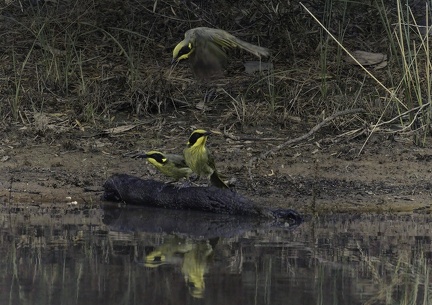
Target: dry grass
(92, 60)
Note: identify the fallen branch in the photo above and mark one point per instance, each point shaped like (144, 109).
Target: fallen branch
(418, 109)
(301, 138)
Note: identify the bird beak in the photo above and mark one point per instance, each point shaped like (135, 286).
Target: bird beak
(207, 133)
(141, 156)
(173, 61)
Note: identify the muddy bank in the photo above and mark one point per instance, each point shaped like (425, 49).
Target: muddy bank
(389, 175)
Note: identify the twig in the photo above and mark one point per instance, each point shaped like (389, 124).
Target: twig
(418, 108)
(301, 138)
(377, 125)
(245, 138)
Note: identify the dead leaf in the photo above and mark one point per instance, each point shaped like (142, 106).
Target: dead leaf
(367, 58)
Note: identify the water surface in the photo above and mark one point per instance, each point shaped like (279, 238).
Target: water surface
(141, 256)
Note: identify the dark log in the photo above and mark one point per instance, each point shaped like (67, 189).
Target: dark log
(136, 191)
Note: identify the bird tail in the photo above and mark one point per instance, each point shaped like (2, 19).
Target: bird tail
(217, 181)
(227, 40)
(256, 50)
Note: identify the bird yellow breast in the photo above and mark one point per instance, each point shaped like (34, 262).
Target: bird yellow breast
(197, 159)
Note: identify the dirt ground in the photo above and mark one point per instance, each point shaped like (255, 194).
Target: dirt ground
(324, 173)
(72, 70)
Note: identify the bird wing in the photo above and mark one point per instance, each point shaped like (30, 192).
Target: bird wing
(178, 160)
(209, 57)
(226, 40)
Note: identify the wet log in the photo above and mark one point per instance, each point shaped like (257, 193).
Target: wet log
(139, 192)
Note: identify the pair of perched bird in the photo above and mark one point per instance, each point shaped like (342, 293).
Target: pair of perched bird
(196, 159)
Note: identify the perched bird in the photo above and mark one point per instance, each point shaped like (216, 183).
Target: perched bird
(170, 165)
(205, 48)
(198, 157)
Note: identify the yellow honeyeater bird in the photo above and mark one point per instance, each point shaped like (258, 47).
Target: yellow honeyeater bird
(198, 157)
(170, 165)
(205, 49)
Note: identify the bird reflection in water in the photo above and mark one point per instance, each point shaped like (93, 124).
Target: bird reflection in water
(192, 256)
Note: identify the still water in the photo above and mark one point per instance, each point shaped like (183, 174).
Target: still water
(142, 256)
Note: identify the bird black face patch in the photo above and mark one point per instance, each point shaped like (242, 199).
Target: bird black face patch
(185, 50)
(194, 137)
(158, 157)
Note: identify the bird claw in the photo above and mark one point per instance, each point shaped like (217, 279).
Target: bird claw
(184, 184)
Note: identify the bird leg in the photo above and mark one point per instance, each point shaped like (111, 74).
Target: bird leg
(209, 94)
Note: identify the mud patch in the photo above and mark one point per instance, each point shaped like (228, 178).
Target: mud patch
(70, 168)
